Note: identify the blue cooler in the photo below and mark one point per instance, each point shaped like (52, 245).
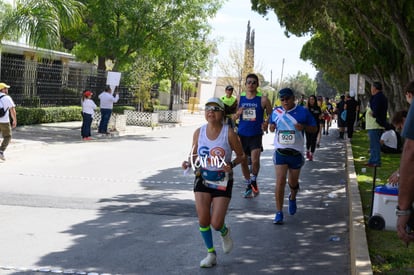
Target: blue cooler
(383, 210)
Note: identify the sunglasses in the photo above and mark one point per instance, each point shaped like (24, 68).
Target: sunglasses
(285, 98)
(213, 108)
(251, 82)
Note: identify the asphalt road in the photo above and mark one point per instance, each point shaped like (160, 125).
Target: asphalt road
(122, 205)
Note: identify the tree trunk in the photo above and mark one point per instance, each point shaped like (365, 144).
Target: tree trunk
(172, 92)
(101, 63)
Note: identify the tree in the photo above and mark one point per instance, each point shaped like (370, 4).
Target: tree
(323, 88)
(372, 38)
(183, 51)
(118, 30)
(41, 21)
(301, 84)
(140, 77)
(232, 68)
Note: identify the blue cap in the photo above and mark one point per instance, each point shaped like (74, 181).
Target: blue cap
(286, 92)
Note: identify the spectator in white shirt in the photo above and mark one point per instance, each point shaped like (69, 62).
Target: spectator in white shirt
(107, 100)
(88, 108)
(7, 103)
(389, 142)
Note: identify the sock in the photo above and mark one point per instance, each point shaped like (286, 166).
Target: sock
(207, 237)
(223, 230)
(253, 177)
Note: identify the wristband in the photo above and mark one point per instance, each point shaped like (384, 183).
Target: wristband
(400, 212)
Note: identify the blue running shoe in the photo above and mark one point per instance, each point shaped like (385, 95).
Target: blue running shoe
(248, 193)
(278, 218)
(292, 206)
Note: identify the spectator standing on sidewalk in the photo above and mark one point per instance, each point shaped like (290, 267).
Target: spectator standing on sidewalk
(6, 102)
(289, 121)
(252, 106)
(107, 100)
(211, 158)
(230, 105)
(352, 108)
(340, 107)
(406, 176)
(88, 109)
(375, 122)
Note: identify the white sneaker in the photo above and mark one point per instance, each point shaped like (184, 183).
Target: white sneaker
(227, 242)
(209, 261)
(2, 156)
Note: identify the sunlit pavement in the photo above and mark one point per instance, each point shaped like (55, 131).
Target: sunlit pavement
(121, 205)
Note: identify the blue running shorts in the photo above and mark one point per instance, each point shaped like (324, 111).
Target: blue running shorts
(292, 159)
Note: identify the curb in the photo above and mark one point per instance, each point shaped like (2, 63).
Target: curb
(360, 260)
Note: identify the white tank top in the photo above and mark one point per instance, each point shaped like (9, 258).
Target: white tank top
(213, 153)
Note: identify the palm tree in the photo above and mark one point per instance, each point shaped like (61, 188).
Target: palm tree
(40, 21)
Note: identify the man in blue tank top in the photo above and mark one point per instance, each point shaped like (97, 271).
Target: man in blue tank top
(251, 110)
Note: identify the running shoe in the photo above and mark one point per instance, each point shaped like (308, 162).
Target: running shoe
(227, 242)
(255, 188)
(248, 193)
(278, 218)
(307, 154)
(2, 157)
(292, 206)
(209, 261)
(310, 158)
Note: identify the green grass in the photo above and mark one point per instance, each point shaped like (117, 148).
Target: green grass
(388, 253)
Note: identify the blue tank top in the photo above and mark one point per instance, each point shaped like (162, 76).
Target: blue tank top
(250, 123)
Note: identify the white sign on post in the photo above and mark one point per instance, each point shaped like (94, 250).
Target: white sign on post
(356, 85)
(353, 84)
(113, 79)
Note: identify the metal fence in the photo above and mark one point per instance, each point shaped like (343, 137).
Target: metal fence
(47, 82)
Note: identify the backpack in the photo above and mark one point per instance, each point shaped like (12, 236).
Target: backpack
(2, 111)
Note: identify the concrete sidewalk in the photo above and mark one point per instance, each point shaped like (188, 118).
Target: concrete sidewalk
(339, 197)
(69, 132)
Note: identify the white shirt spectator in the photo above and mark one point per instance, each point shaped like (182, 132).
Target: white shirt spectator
(107, 100)
(6, 102)
(389, 139)
(88, 106)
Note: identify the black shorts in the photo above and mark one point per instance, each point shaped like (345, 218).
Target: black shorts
(341, 123)
(200, 187)
(251, 143)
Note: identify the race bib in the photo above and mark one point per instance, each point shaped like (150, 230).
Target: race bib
(249, 114)
(215, 179)
(219, 185)
(286, 137)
